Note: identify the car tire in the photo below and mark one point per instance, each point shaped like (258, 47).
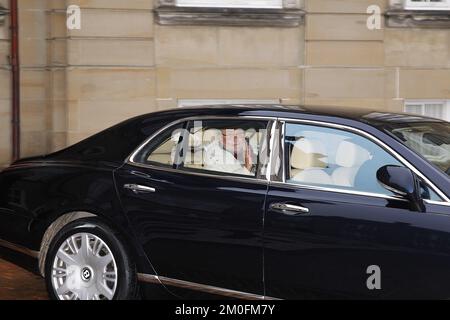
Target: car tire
(87, 260)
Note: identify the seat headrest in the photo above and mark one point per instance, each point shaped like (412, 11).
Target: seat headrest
(309, 153)
(350, 155)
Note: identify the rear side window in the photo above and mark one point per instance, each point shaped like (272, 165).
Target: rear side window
(338, 159)
(162, 150)
(226, 147)
(221, 147)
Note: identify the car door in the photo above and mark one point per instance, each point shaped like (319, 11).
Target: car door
(200, 226)
(332, 231)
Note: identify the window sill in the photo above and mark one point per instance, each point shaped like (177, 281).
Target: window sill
(171, 15)
(400, 18)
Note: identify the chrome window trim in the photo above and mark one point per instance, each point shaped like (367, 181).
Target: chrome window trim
(337, 190)
(223, 177)
(438, 203)
(131, 159)
(381, 144)
(283, 149)
(154, 279)
(271, 145)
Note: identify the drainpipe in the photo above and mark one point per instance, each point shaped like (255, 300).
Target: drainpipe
(15, 77)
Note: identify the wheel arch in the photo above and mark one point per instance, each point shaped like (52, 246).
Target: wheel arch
(53, 230)
(69, 217)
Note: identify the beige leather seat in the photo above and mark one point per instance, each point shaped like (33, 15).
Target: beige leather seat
(350, 158)
(308, 161)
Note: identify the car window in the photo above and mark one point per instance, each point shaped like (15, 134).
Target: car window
(332, 158)
(226, 147)
(162, 149)
(429, 139)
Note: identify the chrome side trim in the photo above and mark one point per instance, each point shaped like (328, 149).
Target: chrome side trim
(148, 278)
(271, 146)
(378, 142)
(283, 148)
(224, 177)
(337, 190)
(20, 249)
(437, 203)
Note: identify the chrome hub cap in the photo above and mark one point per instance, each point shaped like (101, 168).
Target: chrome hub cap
(86, 274)
(84, 269)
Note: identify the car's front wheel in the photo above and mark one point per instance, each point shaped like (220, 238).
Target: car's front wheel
(87, 260)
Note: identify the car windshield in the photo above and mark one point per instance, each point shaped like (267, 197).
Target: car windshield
(429, 139)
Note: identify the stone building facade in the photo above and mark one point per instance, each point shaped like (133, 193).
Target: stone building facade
(137, 56)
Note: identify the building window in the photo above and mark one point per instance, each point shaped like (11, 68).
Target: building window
(253, 13)
(266, 4)
(434, 109)
(418, 14)
(427, 4)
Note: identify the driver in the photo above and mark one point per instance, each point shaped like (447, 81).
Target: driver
(230, 153)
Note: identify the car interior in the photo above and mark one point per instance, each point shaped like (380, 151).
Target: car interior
(433, 146)
(199, 139)
(311, 162)
(313, 158)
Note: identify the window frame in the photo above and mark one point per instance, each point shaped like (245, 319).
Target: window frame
(272, 121)
(281, 178)
(246, 4)
(412, 5)
(277, 140)
(149, 143)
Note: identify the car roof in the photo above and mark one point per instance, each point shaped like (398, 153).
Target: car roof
(366, 115)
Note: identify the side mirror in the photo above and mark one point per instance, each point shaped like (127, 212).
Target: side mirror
(403, 182)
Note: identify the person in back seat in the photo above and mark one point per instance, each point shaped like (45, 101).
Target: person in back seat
(230, 153)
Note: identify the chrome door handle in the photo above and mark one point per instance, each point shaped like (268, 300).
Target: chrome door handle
(136, 188)
(289, 209)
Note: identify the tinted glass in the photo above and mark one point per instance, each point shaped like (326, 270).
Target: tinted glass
(332, 158)
(226, 147)
(429, 139)
(162, 150)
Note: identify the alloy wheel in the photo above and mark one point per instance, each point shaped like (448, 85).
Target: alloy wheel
(84, 268)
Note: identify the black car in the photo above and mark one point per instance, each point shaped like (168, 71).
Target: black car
(246, 201)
